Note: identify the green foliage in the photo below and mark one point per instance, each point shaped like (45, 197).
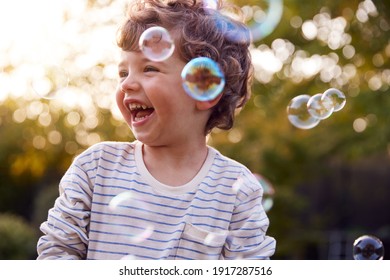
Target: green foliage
(17, 238)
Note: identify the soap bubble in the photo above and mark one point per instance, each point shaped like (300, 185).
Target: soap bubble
(319, 106)
(118, 199)
(129, 205)
(306, 112)
(337, 97)
(368, 247)
(238, 184)
(298, 114)
(261, 19)
(210, 4)
(268, 192)
(215, 237)
(264, 21)
(202, 79)
(129, 258)
(50, 81)
(156, 43)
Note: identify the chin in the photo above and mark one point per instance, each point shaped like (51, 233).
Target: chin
(149, 142)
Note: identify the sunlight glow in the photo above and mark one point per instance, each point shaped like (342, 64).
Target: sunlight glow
(60, 56)
(41, 34)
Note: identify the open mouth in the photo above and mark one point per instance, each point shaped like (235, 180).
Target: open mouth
(140, 111)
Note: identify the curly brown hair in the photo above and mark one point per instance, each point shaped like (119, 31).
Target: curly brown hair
(199, 31)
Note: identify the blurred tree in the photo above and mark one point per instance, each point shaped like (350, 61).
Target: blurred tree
(17, 238)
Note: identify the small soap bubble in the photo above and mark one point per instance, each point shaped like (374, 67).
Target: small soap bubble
(129, 258)
(268, 192)
(128, 204)
(337, 97)
(215, 237)
(319, 106)
(267, 203)
(210, 4)
(156, 43)
(144, 233)
(50, 81)
(202, 79)
(298, 114)
(237, 184)
(368, 247)
(118, 200)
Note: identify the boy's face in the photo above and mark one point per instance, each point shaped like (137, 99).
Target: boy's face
(153, 102)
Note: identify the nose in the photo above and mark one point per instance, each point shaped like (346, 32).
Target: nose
(130, 84)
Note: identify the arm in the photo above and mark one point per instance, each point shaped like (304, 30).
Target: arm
(66, 229)
(247, 235)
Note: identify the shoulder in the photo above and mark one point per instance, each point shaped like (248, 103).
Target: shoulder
(245, 180)
(107, 150)
(224, 162)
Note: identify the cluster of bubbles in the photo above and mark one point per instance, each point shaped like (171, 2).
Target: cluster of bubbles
(305, 111)
(368, 247)
(202, 77)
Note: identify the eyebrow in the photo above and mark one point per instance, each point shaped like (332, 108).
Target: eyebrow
(123, 63)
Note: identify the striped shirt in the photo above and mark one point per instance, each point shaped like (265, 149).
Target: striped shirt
(111, 207)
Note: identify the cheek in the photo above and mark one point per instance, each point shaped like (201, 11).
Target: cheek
(119, 101)
(119, 96)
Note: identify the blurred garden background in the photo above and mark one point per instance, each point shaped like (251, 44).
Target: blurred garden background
(58, 75)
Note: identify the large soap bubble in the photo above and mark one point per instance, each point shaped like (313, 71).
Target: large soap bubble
(132, 206)
(202, 78)
(264, 21)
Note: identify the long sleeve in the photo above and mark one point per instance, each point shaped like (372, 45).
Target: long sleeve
(66, 229)
(211, 217)
(247, 234)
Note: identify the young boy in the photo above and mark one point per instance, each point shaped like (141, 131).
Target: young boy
(166, 195)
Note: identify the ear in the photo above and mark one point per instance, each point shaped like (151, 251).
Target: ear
(205, 105)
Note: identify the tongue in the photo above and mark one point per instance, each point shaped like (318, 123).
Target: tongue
(144, 113)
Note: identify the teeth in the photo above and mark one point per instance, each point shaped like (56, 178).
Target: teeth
(135, 106)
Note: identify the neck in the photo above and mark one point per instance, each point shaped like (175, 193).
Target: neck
(175, 165)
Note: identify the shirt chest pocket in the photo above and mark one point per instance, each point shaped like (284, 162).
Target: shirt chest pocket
(199, 244)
